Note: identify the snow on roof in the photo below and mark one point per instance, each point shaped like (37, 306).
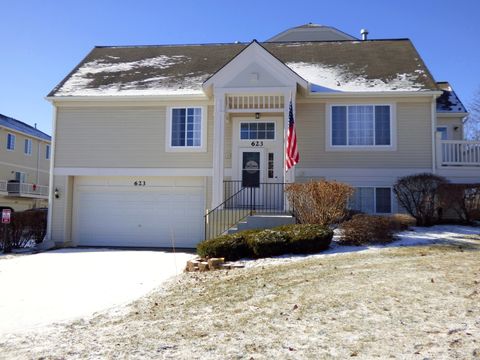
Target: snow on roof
(20, 126)
(449, 102)
(373, 65)
(324, 78)
(79, 83)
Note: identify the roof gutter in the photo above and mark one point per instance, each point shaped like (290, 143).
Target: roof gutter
(383, 94)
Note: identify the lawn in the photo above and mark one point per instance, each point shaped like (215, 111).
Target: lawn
(413, 302)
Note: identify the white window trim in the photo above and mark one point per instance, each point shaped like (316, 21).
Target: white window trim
(203, 131)
(49, 152)
(30, 147)
(255, 121)
(14, 141)
(393, 130)
(375, 197)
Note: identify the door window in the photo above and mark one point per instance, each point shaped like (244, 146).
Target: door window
(251, 169)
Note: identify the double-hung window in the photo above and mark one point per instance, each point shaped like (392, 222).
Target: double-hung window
(47, 152)
(372, 200)
(186, 128)
(28, 147)
(10, 142)
(361, 126)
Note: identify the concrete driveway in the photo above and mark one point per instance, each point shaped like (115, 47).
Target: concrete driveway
(55, 286)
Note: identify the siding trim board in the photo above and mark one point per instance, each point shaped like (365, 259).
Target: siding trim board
(78, 171)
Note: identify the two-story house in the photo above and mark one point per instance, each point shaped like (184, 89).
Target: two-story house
(149, 139)
(24, 165)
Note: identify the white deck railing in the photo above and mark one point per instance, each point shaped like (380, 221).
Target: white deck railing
(459, 153)
(26, 189)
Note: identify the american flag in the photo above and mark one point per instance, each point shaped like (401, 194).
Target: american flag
(292, 157)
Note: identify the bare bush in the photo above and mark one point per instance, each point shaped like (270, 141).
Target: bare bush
(463, 200)
(402, 222)
(418, 195)
(25, 226)
(319, 202)
(365, 229)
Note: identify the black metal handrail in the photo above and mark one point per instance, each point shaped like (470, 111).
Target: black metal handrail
(268, 198)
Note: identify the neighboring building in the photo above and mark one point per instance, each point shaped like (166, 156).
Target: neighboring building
(24, 165)
(150, 138)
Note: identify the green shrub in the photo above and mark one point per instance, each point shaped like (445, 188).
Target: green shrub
(268, 242)
(297, 239)
(366, 229)
(307, 238)
(231, 247)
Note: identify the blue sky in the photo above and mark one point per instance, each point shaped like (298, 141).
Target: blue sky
(41, 41)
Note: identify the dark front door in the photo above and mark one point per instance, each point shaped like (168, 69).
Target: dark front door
(251, 169)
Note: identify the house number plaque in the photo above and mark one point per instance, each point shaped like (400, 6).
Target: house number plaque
(256, 143)
(139, 183)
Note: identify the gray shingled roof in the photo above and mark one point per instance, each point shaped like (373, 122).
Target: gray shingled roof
(18, 125)
(181, 69)
(449, 102)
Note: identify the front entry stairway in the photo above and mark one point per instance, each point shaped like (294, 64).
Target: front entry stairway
(248, 208)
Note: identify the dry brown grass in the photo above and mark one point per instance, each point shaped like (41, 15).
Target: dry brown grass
(399, 303)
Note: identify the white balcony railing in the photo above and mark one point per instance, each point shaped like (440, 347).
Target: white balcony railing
(459, 153)
(3, 185)
(26, 189)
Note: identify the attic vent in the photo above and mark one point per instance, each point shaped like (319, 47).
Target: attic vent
(364, 33)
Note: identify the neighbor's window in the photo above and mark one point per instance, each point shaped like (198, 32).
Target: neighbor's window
(186, 127)
(361, 125)
(372, 200)
(10, 142)
(257, 131)
(28, 147)
(47, 152)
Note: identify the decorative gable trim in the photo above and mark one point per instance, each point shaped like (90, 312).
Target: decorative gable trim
(254, 51)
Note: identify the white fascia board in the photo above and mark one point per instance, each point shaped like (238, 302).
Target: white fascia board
(80, 171)
(242, 60)
(119, 98)
(383, 94)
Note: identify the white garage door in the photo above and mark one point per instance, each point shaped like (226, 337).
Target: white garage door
(113, 211)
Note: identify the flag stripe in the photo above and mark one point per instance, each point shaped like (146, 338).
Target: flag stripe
(292, 156)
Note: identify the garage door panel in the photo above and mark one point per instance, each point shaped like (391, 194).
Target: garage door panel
(150, 216)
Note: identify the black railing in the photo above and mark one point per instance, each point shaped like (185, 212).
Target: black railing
(268, 198)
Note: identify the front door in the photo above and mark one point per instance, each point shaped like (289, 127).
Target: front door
(252, 173)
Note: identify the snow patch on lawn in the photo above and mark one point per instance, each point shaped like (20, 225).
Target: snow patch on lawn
(440, 234)
(338, 78)
(39, 289)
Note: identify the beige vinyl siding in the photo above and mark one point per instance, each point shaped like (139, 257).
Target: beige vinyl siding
(414, 139)
(123, 137)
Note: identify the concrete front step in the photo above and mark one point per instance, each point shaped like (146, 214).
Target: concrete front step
(262, 222)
